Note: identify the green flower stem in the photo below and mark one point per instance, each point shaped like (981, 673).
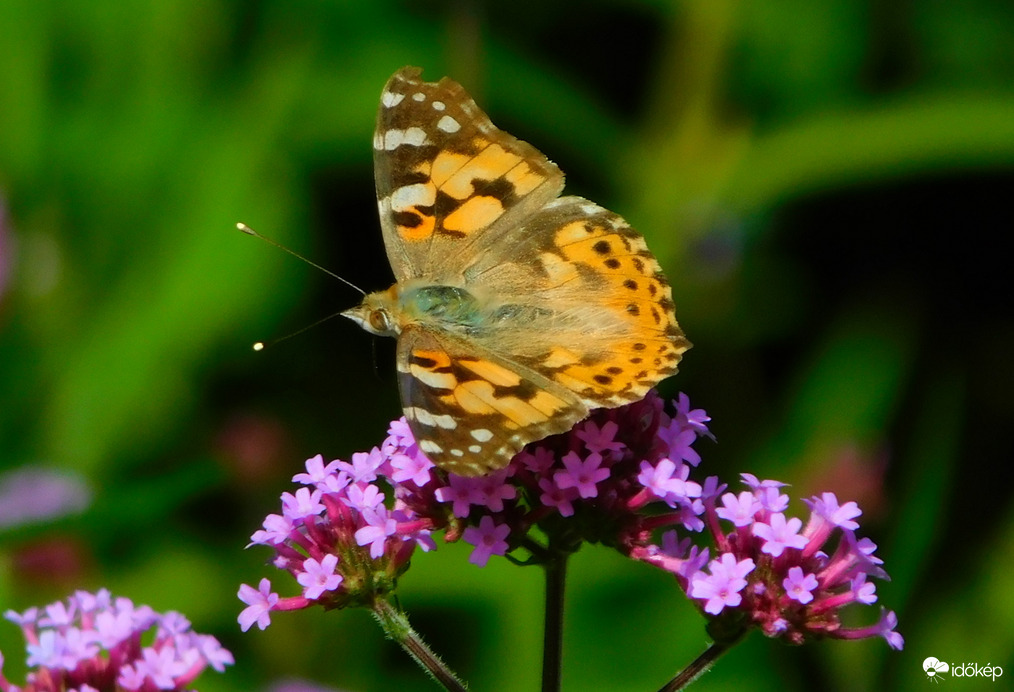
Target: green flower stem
(396, 626)
(552, 643)
(701, 665)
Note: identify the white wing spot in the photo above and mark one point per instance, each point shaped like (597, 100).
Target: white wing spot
(430, 446)
(445, 421)
(419, 96)
(482, 434)
(417, 195)
(438, 105)
(591, 208)
(391, 99)
(457, 453)
(475, 449)
(413, 136)
(448, 124)
(392, 139)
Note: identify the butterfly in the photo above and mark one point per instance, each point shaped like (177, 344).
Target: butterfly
(516, 310)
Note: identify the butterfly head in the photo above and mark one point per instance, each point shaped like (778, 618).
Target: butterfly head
(377, 313)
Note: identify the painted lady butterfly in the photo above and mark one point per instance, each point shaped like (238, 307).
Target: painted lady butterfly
(516, 310)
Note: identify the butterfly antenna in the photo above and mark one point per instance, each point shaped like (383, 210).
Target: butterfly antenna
(249, 231)
(261, 345)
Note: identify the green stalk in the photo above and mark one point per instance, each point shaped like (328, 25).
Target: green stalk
(552, 643)
(396, 626)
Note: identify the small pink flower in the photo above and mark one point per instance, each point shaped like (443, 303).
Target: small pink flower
(489, 538)
(560, 498)
(583, 475)
(739, 509)
(379, 525)
(319, 576)
(599, 439)
(779, 534)
(799, 586)
(463, 493)
(316, 471)
(259, 603)
(305, 503)
(722, 587)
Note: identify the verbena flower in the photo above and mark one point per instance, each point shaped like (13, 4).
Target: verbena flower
(618, 478)
(92, 642)
(594, 483)
(773, 573)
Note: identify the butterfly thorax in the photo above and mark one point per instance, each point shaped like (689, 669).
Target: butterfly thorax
(449, 308)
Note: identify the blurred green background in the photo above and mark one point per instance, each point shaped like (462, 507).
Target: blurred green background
(828, 186)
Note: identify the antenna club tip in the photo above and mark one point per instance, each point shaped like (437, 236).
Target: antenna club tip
(246, 229)
(259, 346)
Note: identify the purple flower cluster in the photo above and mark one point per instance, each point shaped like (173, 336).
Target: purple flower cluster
(349, 531)
(617, 478)
(789, 580)
(92, 642)
(336, 535)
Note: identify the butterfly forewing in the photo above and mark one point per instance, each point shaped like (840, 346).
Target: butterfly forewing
(445, 175)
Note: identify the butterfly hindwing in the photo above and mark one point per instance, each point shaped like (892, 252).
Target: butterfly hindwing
(591, 309)
(471, 411)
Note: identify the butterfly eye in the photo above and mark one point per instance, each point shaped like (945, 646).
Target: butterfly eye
(379, 321)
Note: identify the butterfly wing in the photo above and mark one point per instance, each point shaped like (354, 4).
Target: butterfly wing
(576, 296)
(446, 177)
(470, 409)
(571, 309)
(580, 316)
